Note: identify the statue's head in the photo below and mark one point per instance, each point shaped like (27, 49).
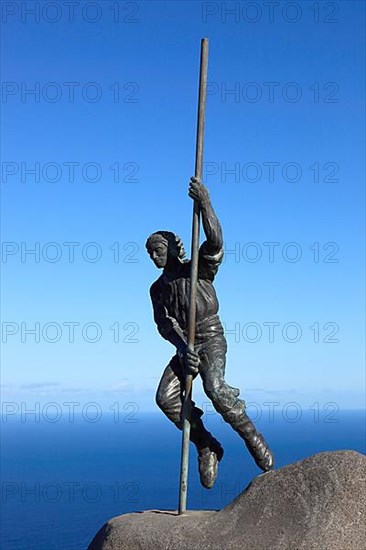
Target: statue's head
(163, 246)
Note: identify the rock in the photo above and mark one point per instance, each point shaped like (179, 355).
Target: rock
(316, 504)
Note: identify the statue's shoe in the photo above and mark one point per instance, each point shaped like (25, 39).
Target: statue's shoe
(260, 451)
(208, 460)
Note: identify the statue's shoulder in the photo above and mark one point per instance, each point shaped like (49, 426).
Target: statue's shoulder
(154, 288)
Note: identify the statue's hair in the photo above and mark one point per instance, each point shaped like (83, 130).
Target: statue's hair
(174, 243)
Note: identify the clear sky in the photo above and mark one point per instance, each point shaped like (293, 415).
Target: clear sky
(109, 132)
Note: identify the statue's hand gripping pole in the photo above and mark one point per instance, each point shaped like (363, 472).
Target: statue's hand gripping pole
(193, 278)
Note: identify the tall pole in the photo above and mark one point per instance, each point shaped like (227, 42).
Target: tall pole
(194, 273)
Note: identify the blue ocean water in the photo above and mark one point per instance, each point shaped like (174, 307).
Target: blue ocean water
(61, 481)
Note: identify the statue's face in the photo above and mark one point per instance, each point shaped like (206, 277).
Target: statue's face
(158, 252)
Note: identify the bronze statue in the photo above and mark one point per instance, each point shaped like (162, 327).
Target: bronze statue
(170, 299)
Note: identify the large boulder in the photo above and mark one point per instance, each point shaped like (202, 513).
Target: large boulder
(316, 504)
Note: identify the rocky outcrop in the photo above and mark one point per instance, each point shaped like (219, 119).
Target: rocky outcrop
(316, 504)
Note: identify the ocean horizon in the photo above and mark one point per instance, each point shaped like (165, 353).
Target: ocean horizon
(61, 481)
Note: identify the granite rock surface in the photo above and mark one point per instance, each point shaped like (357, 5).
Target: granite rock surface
(318, 503)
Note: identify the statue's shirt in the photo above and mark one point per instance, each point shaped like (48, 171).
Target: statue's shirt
(170, 293)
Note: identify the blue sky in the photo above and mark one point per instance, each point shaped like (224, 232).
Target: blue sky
(110, 134)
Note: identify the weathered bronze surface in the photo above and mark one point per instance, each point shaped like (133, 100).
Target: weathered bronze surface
(170, 299)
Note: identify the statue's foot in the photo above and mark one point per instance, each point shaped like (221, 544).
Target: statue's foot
(260, 451)
(208, 460)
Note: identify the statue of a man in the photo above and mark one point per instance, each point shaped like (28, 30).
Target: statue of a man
(170, 299)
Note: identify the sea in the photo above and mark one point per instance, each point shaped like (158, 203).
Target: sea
(63, 478)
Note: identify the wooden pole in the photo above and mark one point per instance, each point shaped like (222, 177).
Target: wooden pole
(194, 272)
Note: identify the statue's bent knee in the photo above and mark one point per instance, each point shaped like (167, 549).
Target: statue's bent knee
(170, 407)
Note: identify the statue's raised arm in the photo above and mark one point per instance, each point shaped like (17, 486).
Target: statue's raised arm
(211, 251)
(210, 222)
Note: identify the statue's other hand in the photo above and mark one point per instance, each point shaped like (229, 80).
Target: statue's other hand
(191, 362)
(197, 191)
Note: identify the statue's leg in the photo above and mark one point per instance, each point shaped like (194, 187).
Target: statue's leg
(225, 400)
(169, 398)
(169, 393)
